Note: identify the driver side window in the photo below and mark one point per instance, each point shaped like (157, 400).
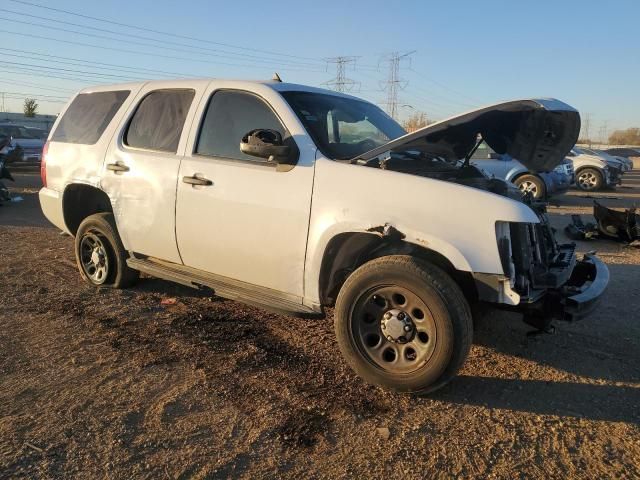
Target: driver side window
(228, 117)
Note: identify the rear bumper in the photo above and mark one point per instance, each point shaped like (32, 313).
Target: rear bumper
(51, 204)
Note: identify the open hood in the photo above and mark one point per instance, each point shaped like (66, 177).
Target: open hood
(537, 133)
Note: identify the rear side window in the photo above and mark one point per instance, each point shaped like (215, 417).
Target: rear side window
(88, 116)
(158, 121)
(229, 116)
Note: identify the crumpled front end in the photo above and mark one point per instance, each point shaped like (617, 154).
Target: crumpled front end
(549, 279)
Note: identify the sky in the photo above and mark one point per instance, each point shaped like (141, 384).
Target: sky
(461, 54)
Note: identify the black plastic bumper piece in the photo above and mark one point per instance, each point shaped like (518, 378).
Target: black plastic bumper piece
(586, 285)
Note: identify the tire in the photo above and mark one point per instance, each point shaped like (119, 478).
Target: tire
(100, 255)
(589, 180)
(440, 340)
(533, 184)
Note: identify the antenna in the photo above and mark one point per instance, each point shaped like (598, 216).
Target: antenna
(341, 83)
(276, 77)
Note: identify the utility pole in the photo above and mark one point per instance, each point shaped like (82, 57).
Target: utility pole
(394, 83)
(603, 132)
(586, 125)
(341, 83)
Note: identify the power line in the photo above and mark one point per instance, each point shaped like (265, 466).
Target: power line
(163, 47)
(25, 84)
(83, 63)
(394, 83)
(159, 32)
(36, 95)
(71, 70)
(445, 87)
(42, 37)
(341, 83)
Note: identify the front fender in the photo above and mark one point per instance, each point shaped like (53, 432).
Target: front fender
(454, 220)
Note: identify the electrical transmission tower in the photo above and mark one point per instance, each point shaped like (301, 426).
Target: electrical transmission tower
(341, 83)
(394, 83)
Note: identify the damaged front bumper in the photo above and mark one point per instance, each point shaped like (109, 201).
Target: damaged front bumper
(577, 296)
(581, 294)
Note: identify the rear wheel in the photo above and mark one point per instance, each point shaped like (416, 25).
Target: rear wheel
(403, 324)
(100, 255)
(532, 184)
(589, 179)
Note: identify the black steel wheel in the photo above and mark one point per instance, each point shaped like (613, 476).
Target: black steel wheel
(94, 258)
(394, 329)
(100, 255)
(403, 324)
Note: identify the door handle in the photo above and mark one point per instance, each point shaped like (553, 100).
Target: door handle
(197, 179)
(117, 167)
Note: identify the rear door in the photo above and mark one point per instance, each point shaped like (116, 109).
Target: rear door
(142, 163)
(251, 222)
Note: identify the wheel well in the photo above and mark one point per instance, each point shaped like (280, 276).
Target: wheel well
(588, 167)
(79, 201)
(348, 251)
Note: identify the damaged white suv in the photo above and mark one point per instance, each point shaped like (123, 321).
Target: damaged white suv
(296, 198)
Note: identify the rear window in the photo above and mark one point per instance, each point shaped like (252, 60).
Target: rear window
(88, 116)
(159, 119)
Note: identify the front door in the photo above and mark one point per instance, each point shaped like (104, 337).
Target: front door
(250, 222)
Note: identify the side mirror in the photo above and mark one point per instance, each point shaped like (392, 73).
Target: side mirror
(265, 143)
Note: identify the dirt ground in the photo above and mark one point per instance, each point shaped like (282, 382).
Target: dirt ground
(114, 384)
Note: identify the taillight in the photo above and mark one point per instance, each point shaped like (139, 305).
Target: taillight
(43, 164)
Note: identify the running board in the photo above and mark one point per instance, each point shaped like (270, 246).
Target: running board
(223, 286)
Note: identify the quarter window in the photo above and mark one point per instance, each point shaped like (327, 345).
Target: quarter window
(88, 116)
(229, 116)
(159, 119)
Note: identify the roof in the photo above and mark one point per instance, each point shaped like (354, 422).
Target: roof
(184, 83)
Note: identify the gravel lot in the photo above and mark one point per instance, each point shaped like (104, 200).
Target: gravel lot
(114, 384)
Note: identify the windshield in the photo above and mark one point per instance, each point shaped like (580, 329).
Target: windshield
(342, 128)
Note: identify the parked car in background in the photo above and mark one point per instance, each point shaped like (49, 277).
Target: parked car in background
(593, 172)
(38, 133)
(623, 152)
(627, 163)
(610, 159)
(31, 143)
(540, 184)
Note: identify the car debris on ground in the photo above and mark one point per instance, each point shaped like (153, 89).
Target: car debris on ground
(610, 223)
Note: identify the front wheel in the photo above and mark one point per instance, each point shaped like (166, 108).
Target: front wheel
(403, 324)
(589, 179)
(100, 255)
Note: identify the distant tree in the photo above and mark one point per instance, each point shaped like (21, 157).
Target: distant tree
(416, 121)
(30, 107)
(584, 141)
(630, 136)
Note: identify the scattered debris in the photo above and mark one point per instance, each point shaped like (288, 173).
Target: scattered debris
(577, 230)
(169, 301)
(31, 445)
(383, 432)
(623, 226)
(16, 199)
(610, 223)
(635, 244)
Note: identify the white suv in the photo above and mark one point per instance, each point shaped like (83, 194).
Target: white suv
(297, 198)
